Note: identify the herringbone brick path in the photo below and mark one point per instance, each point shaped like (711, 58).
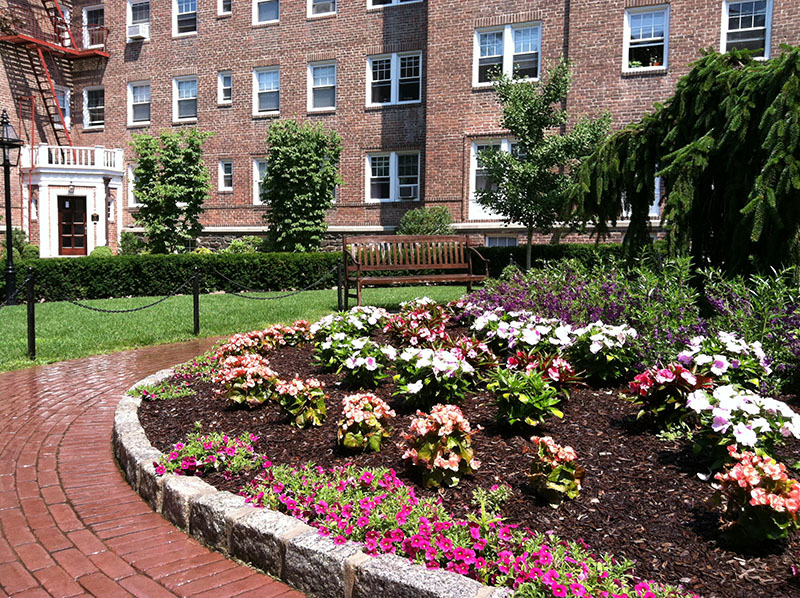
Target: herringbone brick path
(69, 523)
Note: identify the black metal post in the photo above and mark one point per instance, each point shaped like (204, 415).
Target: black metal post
(196, 301)
(11, 274)
(512, 261)
(31, 299)
(339, 284)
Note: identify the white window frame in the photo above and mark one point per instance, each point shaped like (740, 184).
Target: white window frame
(175, 82)
(221, 88)
(86, 37)
(395, 78)
(129, 18)
(140, 123)
(626, 39)
(767, 24)
(86, 121)
(476, 211)
(132, 203)
(394, 178)
(508, 50)
(175, 20)
(265, 69)
(311, 88)
(257, 182)
(66, 109)
(221, 175)
(514, 237)
(371, 5)
(221, 12)
(310, 10)
(255, 13)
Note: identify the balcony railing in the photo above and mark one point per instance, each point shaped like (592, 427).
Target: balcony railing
(34, 22)
(72, 158)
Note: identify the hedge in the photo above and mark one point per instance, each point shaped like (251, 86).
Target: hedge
(158, 275)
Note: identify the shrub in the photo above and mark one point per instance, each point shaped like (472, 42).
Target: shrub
(130, 243)
(302, 399)
(427, 376)
(18, 238)
(435, 220)
(555, 473)
(101, 251)
(30, 252)
(247, 244)
(363, 361)
(760, 501)
(523, 397)
(365, 422)
(440, 445)
(604, 353)
(662, 391)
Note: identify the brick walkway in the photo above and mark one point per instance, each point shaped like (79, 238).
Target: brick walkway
(69, 523)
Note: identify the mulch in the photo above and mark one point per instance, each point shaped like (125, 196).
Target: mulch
(641, 499)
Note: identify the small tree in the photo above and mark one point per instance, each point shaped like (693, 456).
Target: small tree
(528, 185)
(171, 183)
(302, 174)
(426, 221)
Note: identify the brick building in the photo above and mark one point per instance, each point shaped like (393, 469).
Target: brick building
(404, 82)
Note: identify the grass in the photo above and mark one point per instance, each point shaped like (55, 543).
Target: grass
(65, 331)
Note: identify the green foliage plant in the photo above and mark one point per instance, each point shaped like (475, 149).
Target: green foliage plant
(555, 473)
(165, 390)
(304, 400)
(171, 184)
(130, 243)
(523, 397)
(30, 252)
(435, 220)
(529, 184)
(246, 244)
(299, 186)
(206, 453)
(365, 423)
(245, 378)
(101, 251)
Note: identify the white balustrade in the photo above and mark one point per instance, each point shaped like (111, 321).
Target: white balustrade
(72, 158)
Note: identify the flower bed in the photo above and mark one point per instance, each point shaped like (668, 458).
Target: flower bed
(614, 511)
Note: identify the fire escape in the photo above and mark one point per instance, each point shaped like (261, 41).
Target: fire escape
(39, 40)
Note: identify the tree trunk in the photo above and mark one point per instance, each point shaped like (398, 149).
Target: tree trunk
(529, 252)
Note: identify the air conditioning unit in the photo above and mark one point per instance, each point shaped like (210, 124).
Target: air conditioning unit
(139, 31)
(408, 191)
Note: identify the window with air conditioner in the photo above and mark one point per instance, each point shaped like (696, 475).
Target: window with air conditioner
(138, 20)
(382, 3)
(392, 176)
(321, 7)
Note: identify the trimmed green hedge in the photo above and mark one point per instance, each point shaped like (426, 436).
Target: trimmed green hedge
(157, 275)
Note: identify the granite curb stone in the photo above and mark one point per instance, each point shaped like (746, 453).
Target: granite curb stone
(280, 545)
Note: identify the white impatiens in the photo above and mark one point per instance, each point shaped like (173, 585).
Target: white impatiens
(727, 357)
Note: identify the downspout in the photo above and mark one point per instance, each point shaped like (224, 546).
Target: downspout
(565, 52)
(106, 183)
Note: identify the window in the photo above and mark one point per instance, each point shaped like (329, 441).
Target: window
(184, 92)
(501, 241)
(479, 177)
(322, 78)
(482, 179)
(321, 7)
(225, 87)
(259, 172)
(63, 100)
(747, 26)
(224, 7)
(93, 21)
(394, 79)
(379, 3)
(266, 90)
(185, 17)
(132, 200)
(226, 175)
(94, 103)
(265, 11)
(139, 103)
(392, 176)
(646, 38)
(513, 50)
(138, 20)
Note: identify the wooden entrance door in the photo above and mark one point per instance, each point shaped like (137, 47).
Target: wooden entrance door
(72, 225)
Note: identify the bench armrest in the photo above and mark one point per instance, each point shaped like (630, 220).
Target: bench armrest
(483, 259)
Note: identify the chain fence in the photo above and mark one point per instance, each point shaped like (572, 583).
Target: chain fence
(284, 296)
(173, 293)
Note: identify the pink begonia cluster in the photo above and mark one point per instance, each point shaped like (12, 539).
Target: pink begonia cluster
(244, 372)
(365, 407)
(264, 340)
(421, 321)
(554, 454)
(296, 386)
(390, 519)
(673, 375)
(443, 423)
(764, 481)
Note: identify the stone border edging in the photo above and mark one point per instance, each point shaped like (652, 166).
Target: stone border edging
(278, 544)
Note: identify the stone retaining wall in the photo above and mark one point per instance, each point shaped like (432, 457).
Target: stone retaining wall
(279, 545)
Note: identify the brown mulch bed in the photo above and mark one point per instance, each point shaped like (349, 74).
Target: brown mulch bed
(641, 498)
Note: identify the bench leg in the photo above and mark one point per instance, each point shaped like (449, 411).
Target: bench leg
(469, 286)
(359, 293)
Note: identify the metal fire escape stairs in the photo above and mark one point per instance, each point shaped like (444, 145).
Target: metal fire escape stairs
(45, 47)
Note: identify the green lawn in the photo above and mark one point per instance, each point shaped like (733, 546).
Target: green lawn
(65, 331)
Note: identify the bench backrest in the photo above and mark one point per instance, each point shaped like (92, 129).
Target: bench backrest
(397, 252)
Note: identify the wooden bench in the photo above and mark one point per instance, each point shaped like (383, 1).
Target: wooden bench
(365, 256)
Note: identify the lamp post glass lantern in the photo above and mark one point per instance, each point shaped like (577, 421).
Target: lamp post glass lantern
(10, 144)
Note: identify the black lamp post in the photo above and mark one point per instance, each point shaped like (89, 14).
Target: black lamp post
(10, 144)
